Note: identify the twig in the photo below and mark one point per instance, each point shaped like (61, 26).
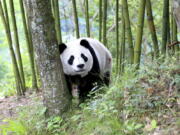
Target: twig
(174, 43)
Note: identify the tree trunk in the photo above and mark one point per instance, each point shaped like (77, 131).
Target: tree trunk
(152, 28)
(128, 29)
(76, 19)
(137, 47)
(55, 93)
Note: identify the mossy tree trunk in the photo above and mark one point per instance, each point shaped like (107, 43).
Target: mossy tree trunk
(55, 92)
(139, 34)
(152, 28)
(128, 30)
(76, 18)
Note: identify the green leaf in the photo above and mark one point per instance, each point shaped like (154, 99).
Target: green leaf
(153, 124)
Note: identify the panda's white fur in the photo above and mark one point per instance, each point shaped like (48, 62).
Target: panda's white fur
(74, 48)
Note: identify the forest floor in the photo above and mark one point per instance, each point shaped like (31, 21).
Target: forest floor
(146, 104)
(9, 105)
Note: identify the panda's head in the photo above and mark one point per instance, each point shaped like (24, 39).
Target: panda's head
(76, 58)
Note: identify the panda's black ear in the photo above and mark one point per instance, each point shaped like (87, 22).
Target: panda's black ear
(62, 47)
(85, 43)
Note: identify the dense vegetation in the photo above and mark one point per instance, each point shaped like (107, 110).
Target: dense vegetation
(144, 101)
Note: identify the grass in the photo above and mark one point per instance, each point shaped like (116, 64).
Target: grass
(136, 103)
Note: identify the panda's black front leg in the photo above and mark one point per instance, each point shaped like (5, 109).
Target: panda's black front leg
(107, 78)
(68, 82)
(84, 91)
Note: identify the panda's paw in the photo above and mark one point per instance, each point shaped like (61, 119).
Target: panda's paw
(75, 91)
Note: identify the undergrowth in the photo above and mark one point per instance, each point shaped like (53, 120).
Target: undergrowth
(143, 102)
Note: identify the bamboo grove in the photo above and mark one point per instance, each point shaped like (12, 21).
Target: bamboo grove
(128, 47)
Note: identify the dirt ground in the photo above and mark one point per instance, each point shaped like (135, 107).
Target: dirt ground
(9, 105)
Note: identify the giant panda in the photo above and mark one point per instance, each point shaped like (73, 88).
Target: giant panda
(86, 63)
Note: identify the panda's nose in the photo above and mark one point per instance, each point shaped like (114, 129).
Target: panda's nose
(80, 66)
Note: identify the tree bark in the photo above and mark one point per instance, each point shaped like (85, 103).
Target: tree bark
(55, 93)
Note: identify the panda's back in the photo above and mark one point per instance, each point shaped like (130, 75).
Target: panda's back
(103, 55)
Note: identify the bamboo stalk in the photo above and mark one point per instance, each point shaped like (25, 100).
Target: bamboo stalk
(16, 39)
(57, 21)
(165, 26)
(18, 88)
(52, 6)
(128, 30)
(100, 20)
(104, 23)
(13, 57)
(139, 34)
(29, 46)
(76, 18)
(87, 17)
(123, 34)
(174, 34)
(117, 36)
(152, 28)
(168, 30)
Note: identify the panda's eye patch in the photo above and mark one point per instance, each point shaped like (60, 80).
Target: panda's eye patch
(71, 59)
(84, 57)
